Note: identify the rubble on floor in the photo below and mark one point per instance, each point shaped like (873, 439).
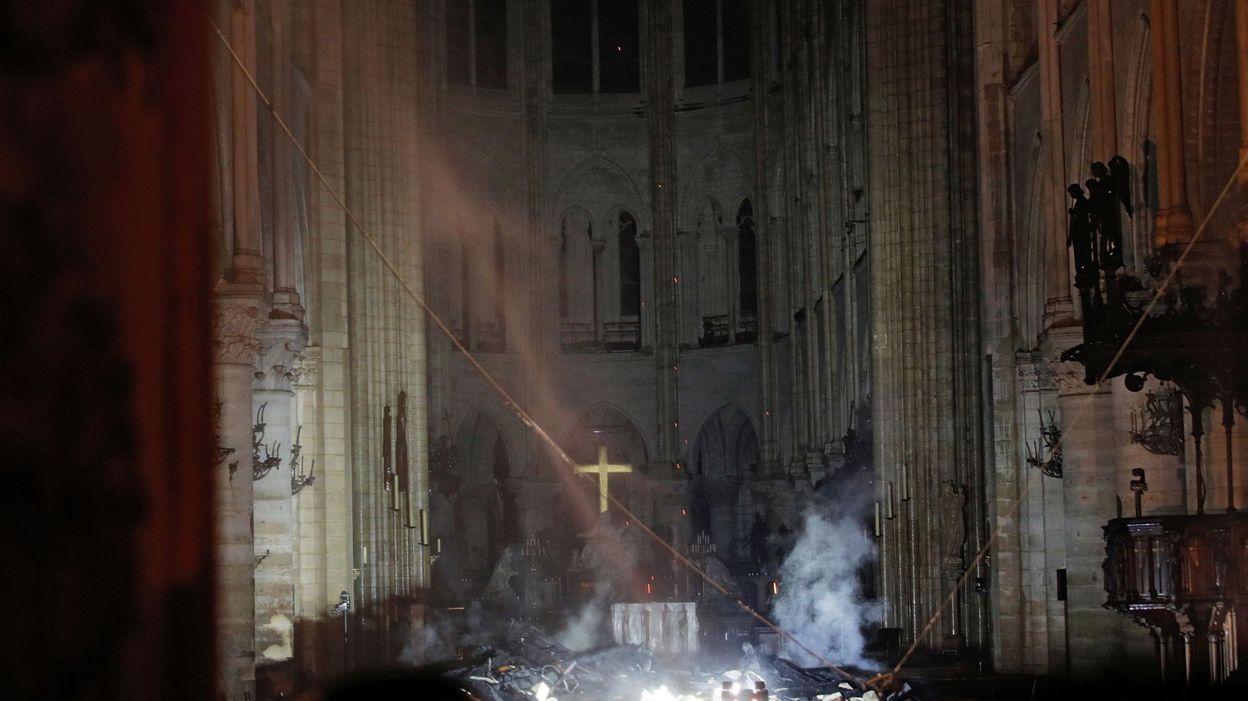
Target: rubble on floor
(531, 666)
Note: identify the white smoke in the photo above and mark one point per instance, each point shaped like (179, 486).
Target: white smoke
(584, 629)
(820, 600)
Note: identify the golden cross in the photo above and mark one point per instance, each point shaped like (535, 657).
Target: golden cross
(603, 469)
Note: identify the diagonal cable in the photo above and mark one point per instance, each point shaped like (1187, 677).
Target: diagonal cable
(508, 401)
(1014, 510)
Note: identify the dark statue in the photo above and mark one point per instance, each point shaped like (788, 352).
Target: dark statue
(1108, 191)
(1120, 173)
(1081, 236)
(1094, 232)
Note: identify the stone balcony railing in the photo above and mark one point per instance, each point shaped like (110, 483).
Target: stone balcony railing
(621, 335)
(578, 337)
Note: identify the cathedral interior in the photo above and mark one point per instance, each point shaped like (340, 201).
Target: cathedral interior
(901, 339)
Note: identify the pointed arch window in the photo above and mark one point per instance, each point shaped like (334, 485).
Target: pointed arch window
(476, 43)
(717, 41)
(630, 266)
(595, 46)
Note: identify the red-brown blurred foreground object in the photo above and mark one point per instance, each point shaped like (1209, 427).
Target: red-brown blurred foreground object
(104, 394)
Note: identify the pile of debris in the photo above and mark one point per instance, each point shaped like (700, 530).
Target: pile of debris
(531, 666)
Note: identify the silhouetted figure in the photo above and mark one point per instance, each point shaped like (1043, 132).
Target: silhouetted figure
(1104, 197)
(1120, 174)
(1081, 236)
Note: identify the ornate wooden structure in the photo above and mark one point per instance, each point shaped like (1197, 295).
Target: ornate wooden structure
(1185, 577)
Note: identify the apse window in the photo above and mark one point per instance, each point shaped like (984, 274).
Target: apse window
(717, 41)
(476, 43)
(594, 46)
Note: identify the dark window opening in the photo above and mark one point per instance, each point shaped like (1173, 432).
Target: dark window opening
(736, 39)
(717, 41)
(746, 270)
(491, 43)
(476, 43)
(618, 47)
(630, 267)
(572, 56)
(701, 32)
(458, 43)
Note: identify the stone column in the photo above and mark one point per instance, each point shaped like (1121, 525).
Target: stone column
(1241, 42)
(1174, 219)
(238, 318)
(1102, 80)
(273, 520)
(1058, 303)
(246, 265)
(308, 511)
(1093, 634)
(285, 229)
(924, 257)
(540, 345)
(769, 452)
(660, 93)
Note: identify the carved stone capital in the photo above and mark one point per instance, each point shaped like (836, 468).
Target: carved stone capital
(307, 368)
(282, 347)
(1068, 378)
(1034, 372)
(235, 325)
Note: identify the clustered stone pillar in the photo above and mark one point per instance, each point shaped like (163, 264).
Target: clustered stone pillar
(1241, 43)
(1089, 496)
(238, 319)
(925, 343)
(769, 453)
(1102, 80)
(1174, 219)
(273, 519)
(1058, 301)
(657, 69)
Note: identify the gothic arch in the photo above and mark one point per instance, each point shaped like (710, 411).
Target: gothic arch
(473, 431)
(478, 520)
(725, 450)
(726, 443)
(585, 184)
(721, 175)
(605, 424)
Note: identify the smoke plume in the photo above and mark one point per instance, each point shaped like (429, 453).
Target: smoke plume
(821, 600)
(585, 629)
